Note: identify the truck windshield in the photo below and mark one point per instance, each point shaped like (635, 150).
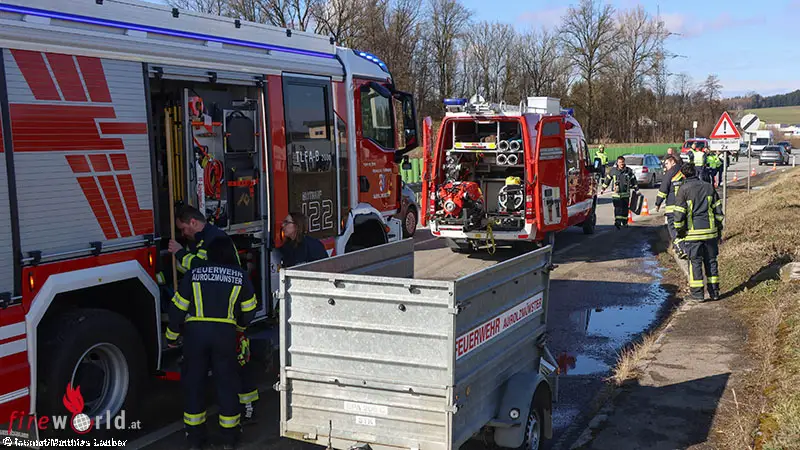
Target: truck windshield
(761, 141)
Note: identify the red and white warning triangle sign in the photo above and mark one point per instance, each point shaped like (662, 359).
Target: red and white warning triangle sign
(725, 128)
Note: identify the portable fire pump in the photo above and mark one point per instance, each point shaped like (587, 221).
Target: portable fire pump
(500, 174)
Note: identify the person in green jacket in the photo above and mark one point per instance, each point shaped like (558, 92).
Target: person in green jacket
(603, 157)
(714, 167)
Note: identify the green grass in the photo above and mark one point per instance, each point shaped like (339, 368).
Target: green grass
(784, 114)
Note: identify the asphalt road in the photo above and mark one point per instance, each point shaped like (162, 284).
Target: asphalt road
(606, 292)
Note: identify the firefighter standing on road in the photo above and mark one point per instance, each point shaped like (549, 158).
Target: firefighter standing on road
(622, 180)
(213, 300)
(669, 187)
(603, 157)
(193, 226)
(700, 160)
(714, 167)
(698, 220)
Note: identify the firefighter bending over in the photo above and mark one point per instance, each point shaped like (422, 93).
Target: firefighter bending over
(213, 300)
(193, 226)
(669, 187)
(698, 220)
(622, 180)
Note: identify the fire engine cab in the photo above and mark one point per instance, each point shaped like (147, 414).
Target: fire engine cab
(114, 112)
(507, 174)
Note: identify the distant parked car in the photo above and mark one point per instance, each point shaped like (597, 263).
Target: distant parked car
(409, 211)
(647, 168)
(786, 145)
(773, 154)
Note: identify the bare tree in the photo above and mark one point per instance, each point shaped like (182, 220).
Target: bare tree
(712, 88)
(540, 61)
(447, 21)
(634, 58)
(294, 14)
(588, 33)
(340, 19)
(216, 7)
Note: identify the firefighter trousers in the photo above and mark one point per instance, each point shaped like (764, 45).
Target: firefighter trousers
(620, 210)
(703, 257)
(210, 345)
(248, 374)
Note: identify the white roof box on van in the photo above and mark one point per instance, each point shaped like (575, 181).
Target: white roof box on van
(544, 105)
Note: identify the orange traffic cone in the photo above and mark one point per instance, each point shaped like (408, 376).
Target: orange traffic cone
(753, 172)
(774, 167)
(735, 178)
(630, 217)
(645, 208)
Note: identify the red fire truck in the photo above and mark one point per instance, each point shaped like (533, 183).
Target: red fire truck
(507, 174)
(107, 103)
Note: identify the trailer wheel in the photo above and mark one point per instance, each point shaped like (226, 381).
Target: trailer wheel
(97, 350)
(534, 427)
(590, 223)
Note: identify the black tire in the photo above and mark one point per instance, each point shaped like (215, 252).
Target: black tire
(534, 426)
(410, 221)
(589, 225)
(91, 335)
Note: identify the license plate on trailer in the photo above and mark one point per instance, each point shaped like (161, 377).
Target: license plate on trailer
(478, 236)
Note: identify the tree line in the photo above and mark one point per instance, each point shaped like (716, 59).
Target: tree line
(608, 64)
(754, 100)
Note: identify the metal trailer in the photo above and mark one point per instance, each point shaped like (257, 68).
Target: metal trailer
(373, 358)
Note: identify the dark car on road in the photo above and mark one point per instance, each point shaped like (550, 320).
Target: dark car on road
(773, 154)
(786, 145)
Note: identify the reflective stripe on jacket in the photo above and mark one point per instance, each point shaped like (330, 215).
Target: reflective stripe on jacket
(698, 210)
(622, 181)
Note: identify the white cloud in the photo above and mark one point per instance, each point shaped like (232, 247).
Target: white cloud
(732, 88)
(547, 18)
(691, 27)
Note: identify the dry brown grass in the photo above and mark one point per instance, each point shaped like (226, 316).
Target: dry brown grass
(631, 360)
(763, 232)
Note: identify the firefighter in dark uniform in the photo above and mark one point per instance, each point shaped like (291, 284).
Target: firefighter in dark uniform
(211, 302)
(622, 179)
(193, 226)
(666, 192)
(698, 220)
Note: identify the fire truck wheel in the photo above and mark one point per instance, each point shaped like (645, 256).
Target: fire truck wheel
(409, 223)
(590, 223)
(97, 350)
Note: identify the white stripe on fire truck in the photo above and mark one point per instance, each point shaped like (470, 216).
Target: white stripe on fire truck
(13, 348)
(5, 398)
(12, 330)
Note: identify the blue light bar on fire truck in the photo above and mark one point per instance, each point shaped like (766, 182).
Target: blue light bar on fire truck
(568, 111)
(373, 59)
(455, 104)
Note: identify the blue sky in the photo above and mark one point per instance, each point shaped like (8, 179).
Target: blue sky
(750, 45)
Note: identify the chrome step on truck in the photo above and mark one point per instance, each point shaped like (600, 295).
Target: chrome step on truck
(373, 358)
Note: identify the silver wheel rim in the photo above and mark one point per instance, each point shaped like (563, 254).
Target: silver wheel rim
(533, 433)
(411, 223)
(102, 374)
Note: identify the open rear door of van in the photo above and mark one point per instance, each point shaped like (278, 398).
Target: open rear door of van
(550, 192)
(427, 172)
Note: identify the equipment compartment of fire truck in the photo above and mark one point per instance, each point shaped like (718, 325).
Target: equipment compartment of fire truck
(501, 173)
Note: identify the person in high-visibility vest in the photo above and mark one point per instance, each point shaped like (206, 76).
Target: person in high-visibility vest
(622, 180)
(714, 167)
(673, 178)
(700, 160)
(603, 157)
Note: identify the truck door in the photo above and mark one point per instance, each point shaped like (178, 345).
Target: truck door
(550, 183)
(427, 174)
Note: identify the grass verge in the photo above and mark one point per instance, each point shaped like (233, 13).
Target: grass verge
(631, 360)
(763, 233)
